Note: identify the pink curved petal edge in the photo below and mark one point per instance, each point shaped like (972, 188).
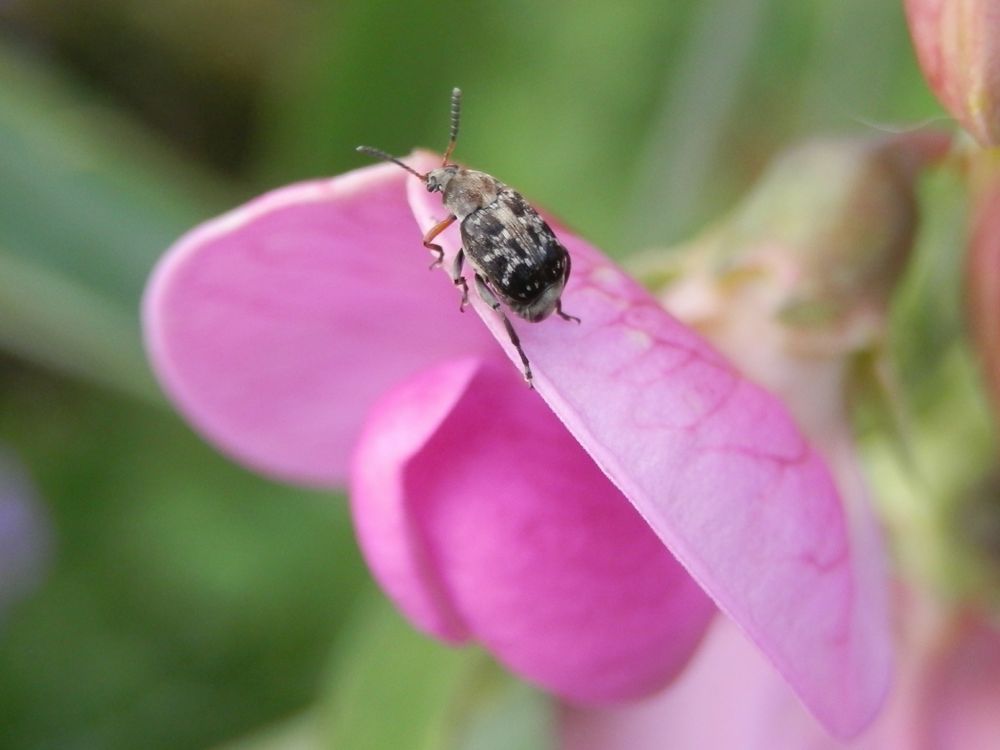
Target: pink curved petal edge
(720, 472)
(275, 326)
(482, 517)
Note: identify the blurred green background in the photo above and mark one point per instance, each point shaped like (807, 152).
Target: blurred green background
(190, 604)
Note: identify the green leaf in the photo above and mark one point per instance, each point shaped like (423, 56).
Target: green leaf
(395, 688)
(505, 713)
(54, 321)
(188, 600)
(88, 203)
(556, 94)
(301, 733)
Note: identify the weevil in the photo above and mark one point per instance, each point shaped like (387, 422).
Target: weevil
(515, 256)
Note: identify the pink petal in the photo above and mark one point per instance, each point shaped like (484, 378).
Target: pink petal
(947, 698)
(482, 517)
(719, 471)
(728, 698)
(275, 326)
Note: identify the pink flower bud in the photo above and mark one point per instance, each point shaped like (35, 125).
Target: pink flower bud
(958, 45)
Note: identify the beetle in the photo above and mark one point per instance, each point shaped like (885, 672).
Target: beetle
(515, 256)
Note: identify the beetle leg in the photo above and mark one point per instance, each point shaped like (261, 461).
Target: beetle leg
(459, 279)
(559, 310)
(433, 232)
(561, 314)
(490, 299)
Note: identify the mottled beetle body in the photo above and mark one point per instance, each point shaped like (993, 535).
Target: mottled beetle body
(506, 242)
(514, 254)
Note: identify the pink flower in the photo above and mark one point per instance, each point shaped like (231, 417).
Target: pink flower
(958, 45)
(303, 334)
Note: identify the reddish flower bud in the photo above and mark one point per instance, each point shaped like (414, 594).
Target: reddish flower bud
(958, 45)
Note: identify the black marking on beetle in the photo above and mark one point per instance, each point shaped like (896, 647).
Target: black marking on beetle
(515, 256)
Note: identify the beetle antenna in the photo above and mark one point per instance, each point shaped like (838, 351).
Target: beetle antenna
(456, 111)
(382, 155)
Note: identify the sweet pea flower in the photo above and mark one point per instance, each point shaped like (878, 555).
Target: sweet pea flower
(958, 46)
(574, 531)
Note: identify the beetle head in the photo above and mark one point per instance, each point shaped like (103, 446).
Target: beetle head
(438, 179)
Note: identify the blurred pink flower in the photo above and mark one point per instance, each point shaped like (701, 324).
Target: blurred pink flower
(24, 534)
(946, 697)
(958, 45)
(304, 328)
